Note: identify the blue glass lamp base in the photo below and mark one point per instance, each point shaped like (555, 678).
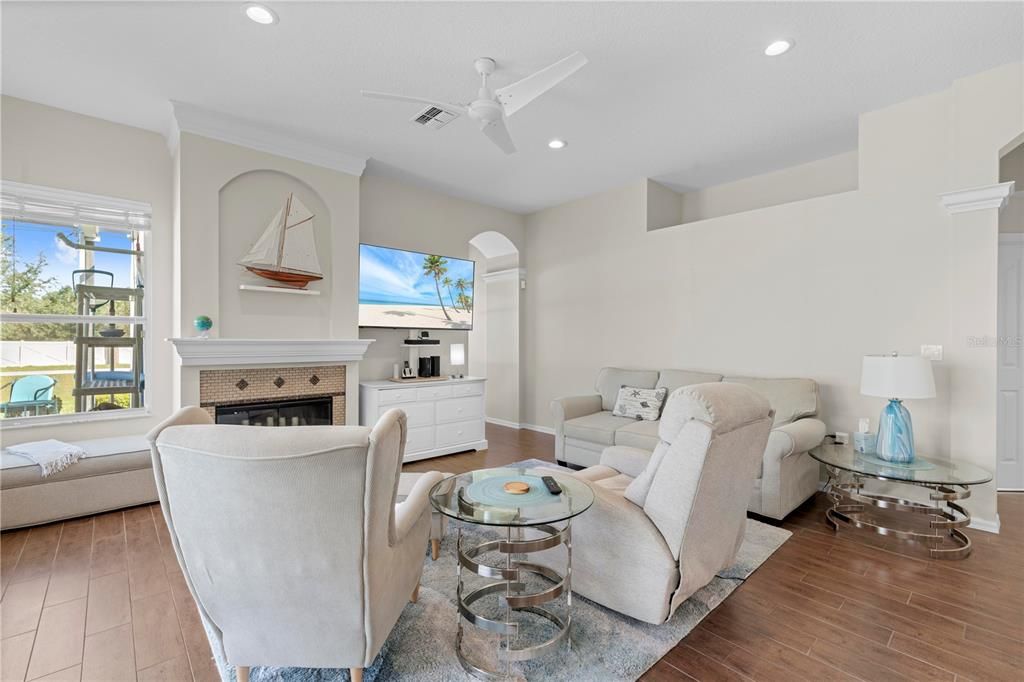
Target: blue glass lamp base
(895, 434)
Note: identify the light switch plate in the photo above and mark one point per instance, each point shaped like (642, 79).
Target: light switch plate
(933, 353)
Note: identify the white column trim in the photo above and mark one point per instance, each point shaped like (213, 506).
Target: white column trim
(518, 273)
(977, 198)
(187, 118)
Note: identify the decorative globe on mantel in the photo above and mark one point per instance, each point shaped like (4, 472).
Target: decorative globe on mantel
(203, 325)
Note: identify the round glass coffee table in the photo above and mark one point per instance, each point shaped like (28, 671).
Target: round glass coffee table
(936, 525)
(479, 498)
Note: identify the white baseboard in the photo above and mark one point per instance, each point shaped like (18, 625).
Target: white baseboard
(985, 525)
(504, 422)
(540, 429)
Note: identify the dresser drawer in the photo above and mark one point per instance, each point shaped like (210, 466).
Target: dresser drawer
(463, 390)
(418, 440)
(458, 409)
(434, 393)
(402, 395)
(416, 414)
(459, 432)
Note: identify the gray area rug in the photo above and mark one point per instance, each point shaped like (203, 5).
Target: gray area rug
(606, 646)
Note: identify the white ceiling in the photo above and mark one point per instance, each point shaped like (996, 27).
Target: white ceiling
(676, 91)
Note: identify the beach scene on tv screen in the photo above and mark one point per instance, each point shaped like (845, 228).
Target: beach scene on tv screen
(415, 290)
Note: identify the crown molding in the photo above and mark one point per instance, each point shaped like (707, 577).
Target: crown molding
(511, 273)
(188, 118)
(977, 198)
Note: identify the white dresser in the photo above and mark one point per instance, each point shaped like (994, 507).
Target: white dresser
(443, 416)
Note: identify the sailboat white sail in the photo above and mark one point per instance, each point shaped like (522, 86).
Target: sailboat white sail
(286, 251)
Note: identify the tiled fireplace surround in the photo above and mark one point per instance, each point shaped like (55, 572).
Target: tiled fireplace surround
(243, 385)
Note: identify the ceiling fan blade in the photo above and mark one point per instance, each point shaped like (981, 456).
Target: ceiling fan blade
(516, 96)
(418, 100)
(497, 132)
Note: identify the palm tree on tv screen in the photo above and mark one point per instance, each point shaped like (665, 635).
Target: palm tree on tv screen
(447, 283)
(438, 267)
(466, 300)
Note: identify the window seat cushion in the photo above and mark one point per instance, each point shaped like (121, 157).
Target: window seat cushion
(103, 456)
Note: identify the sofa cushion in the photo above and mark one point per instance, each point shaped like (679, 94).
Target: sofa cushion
(103, 456)
(677, 378)
(642, 434)
(790, 398)
(599, 427)
(611, 379)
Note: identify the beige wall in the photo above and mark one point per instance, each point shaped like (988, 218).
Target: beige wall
(404, 216)
(800, 289)
(1011, 167)
(57, 148)
(819, 178)
(503, 358)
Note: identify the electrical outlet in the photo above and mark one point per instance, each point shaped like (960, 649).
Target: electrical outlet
(933, 353)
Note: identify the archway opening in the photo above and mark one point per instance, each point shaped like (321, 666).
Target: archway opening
(494, 340)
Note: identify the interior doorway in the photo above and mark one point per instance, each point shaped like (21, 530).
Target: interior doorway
(1010, 341)
(494, 340)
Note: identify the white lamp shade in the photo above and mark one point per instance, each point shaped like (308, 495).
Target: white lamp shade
(897, 376)
(457, 353)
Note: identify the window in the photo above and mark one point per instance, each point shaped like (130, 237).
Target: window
(72, 305)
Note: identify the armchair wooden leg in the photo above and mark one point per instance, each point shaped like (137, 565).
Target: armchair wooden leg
(242, 673)
(435, 549)
(415, 594)
(356, 673)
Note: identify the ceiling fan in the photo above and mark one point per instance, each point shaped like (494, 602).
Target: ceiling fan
(491, 107)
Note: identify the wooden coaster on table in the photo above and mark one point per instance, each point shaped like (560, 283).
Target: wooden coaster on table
(517, 488)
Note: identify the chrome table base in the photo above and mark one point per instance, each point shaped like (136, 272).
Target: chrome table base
(936, 526)
(511, 590)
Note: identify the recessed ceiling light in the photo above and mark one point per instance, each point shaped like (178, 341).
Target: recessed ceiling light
(778, 47)
(557, 144)
(261, 14)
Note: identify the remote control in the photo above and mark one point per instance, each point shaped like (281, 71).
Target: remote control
(552, 485)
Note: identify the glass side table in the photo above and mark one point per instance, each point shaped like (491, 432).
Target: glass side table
(936, 525)
(479, 497)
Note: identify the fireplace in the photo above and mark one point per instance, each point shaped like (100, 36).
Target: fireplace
(301, 412)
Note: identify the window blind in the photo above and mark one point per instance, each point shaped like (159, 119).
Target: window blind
(51, 206)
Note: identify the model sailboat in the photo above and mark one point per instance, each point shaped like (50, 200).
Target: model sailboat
(286, 251)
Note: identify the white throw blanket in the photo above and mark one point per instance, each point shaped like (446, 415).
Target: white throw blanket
(51, 455)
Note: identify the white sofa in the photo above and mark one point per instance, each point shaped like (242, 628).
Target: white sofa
(585, 427)
(662, 526)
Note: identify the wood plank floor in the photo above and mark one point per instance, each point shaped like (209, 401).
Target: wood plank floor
(102, 598)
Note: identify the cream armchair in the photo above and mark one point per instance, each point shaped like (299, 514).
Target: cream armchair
(290, 539)
(664, 523)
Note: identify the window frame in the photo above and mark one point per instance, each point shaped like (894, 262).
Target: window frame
(113, 204)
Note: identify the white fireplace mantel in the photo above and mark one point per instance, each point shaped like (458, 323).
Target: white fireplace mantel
(228, 352)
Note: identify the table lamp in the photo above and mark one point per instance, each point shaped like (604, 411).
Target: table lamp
(896, 377)
(457, 357)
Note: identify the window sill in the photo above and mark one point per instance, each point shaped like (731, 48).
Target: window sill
(82, 418)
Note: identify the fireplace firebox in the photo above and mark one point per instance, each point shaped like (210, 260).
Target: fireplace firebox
(299, 412)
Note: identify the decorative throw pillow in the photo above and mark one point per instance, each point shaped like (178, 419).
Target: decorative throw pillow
(639, 403)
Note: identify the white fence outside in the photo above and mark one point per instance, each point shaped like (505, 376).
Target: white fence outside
(52, 353)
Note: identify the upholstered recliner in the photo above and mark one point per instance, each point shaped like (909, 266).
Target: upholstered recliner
(290, 539)
(662, 526)
(585, 427)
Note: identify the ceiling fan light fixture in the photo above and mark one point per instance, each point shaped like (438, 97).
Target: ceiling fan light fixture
(779, 47)
(261, 14)
(557, 144)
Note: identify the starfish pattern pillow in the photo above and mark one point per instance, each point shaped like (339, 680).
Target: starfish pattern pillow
(642, 404)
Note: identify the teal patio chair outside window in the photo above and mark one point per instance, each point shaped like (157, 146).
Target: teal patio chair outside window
(31, 394)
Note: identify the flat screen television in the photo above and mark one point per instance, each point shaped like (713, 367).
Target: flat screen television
(410, 290)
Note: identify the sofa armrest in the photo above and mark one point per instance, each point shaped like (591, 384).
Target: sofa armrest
(626, 460)
(571, 407)
(796, 437)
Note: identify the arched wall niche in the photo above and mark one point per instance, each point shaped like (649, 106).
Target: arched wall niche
(246, 205)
